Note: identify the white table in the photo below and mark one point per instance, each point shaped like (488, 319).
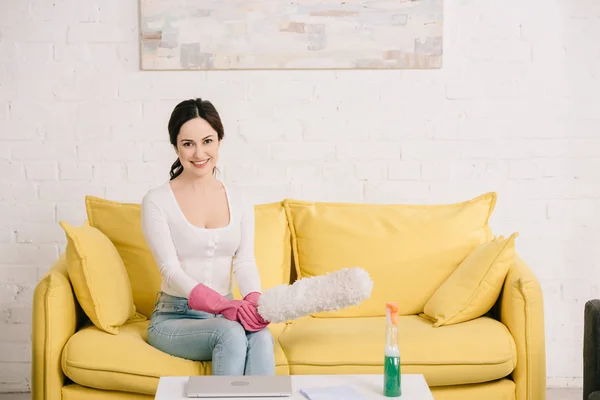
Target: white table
(414, 387)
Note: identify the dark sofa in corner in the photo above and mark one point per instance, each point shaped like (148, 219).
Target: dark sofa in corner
(591, 351)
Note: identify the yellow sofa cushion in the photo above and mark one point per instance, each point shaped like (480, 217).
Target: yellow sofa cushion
(474, 287)
(499, 389)
(98, 276)
(408, 250)
(74, 391)
(126, 362)
(480, 350)
(121, 223)
(272, 246)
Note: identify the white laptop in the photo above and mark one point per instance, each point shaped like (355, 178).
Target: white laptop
(239, 386)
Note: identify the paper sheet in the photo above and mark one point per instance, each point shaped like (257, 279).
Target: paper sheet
(332, 393)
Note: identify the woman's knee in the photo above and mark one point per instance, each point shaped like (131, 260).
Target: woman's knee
(262, 338)
(231, 333)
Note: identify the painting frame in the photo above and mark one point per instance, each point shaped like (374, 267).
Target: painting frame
(301, 34)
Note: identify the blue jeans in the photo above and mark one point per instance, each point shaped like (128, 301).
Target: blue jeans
(200, 336)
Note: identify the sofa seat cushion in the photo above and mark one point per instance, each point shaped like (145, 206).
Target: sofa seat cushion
(475, 351)
(126, 362)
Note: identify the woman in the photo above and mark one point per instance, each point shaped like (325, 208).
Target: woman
(201, 233)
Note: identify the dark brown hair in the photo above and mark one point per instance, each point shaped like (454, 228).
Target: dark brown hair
(185, 111)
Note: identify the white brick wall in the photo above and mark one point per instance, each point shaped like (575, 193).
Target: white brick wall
(516, 109)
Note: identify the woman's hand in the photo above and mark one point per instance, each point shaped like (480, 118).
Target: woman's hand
(252, 298)
(203, 298)
(248, 316)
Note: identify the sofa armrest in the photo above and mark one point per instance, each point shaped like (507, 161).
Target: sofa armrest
(522, 311)
(55, 318)
(591, 348)
(593, 396)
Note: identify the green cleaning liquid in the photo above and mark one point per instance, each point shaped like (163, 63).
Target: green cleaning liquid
(391, 374)
(392, 384)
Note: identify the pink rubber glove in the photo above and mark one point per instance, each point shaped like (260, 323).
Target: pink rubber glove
(203, 298)
(252, 298)
(250, 318)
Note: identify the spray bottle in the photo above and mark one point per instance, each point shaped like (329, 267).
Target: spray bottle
(391, 365)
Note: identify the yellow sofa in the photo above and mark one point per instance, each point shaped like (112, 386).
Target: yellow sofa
(409, 251)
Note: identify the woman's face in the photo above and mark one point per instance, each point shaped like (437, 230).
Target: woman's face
(198, 147)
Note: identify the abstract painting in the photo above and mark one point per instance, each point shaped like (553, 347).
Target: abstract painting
(292, 34)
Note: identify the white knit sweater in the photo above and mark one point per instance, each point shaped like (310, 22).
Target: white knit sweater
(187, 255)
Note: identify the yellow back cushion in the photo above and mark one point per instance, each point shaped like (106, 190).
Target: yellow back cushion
(121, 223)
(474, 286)
(408, 250)
(99, 278)
(272, 246)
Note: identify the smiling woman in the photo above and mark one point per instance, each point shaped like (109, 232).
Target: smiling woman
(201, 232)
(196, 131)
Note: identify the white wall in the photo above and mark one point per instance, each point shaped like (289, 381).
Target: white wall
(515, 109)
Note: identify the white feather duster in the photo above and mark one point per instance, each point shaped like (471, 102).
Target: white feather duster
(333, 291)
